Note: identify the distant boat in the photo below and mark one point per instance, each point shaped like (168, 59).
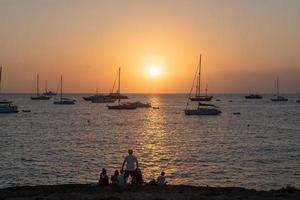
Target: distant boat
(6, 106)
(277, 96)
(141, 104)
(121, 106)
(48, 93)
(89, 98)
(253, 96)
(38, 96)
(117, 95)
(298, 99)
(100, 98)
(203, 109)
(63, 101)
(198, 96)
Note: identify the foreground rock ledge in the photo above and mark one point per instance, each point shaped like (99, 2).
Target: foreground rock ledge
(92, 192)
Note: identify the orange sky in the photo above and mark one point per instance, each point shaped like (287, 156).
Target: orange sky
(245, 44)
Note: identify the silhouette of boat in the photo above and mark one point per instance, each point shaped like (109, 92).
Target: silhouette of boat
(48, 93)
(100, 98)
(6, 106)
(277, 96)
(63, 101)
(121, 106)
(253, 96)
(298, 99)
(198, 96)
(89, 98)
(38, 96)
(203, 109)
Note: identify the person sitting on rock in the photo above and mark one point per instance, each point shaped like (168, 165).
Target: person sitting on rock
(114, 178)
(161, 180)
(103, 180)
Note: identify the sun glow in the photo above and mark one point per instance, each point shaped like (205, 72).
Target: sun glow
(154, 71)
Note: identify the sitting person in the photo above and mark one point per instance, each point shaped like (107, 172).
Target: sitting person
(114, 178)
(103, 180)
(120, 179)
(138, 180)
(161, 180)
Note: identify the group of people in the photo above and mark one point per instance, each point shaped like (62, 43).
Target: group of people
(131, 169)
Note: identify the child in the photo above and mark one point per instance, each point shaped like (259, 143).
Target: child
(114, 178)
(161, 180)
(121, 179)
(103, 180)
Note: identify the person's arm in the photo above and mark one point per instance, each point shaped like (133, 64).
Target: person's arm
(123, 165)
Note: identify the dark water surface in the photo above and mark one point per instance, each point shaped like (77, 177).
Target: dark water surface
(57, 144)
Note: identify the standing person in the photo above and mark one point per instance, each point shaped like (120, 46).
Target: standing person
(131, 165)
(103, 180)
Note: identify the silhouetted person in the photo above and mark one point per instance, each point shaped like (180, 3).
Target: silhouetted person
(138, 177)
(161, 180)
(103, 180)
(114, 178)
(131, 165)
(120, 180)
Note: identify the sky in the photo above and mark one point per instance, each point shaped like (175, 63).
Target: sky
(244, 45)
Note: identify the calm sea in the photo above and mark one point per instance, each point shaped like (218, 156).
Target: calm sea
(57, 144)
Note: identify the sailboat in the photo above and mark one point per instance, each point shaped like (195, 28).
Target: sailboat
(38, 96)
(198, 96)
(116, 95)
(121, 106)
(277, 96)
(6, 106)
(63, 101)
(203, 108)
(48, 93)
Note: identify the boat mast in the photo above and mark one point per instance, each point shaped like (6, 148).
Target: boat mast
(198, 88)
(0, 77)
(61, 86)
(46, 86)
(37, 85)
(277, 86)
(119, 86)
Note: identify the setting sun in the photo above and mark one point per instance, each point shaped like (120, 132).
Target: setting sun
(154, 71)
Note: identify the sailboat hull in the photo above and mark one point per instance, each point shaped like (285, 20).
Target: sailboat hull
(40, 98)
(279, 98)
(202, 111)
(122, 107)
(201, 98)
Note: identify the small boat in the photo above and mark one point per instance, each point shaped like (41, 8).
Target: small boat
(100, 98)
(6, 106)
(155, 107)
(141, 104)
(253, 96)
(117, 96)
(203, 109)
(89, 98)
(38, 96)
(277, 96)
(26, 111)
(121, 106)
(63, 101)
(48, 93)
(198, 96)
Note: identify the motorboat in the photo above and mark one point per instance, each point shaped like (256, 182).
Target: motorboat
(253, 96)
(8, 107)
(100, 98)
(203, 109)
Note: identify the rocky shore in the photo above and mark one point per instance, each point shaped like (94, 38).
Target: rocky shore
(94, 192)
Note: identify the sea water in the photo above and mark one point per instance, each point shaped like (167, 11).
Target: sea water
(60, 144)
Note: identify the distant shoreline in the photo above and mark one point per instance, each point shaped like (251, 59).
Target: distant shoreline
(89, 191)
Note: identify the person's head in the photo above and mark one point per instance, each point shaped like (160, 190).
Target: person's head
(130, 151)
(162, 173)
(116, 173)
(103, 171)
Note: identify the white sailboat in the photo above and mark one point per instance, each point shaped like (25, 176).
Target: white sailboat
(6, 106)
(277, 96)
(121, 106)
(63, 101)
(38, 96)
